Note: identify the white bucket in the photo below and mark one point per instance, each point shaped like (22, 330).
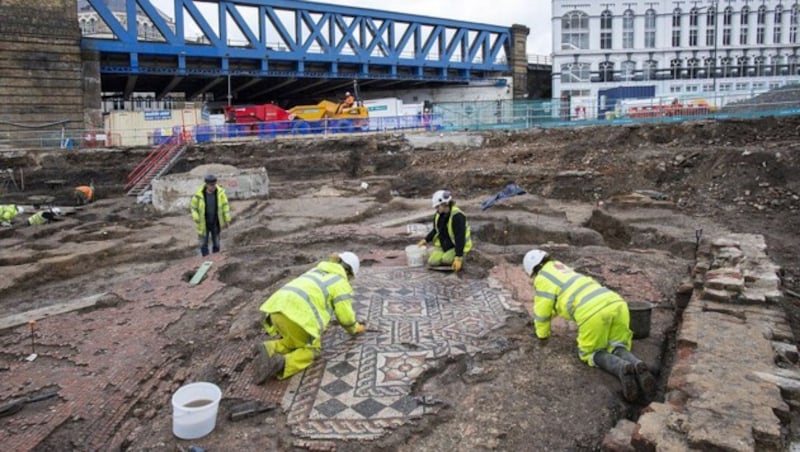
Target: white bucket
(194, 410)
(415, 255)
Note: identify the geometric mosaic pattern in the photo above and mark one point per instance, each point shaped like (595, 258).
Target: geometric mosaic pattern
(361, 386)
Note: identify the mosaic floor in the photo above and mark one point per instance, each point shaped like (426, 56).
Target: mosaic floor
(362, 386)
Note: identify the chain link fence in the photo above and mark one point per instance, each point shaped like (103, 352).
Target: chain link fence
(451, 116)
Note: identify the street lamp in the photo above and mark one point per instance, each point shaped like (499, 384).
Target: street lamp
(716, 39)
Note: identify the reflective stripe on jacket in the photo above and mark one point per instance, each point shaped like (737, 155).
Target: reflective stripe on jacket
(310, 299)
(199, 209)
(562, 291)
(8, 212)
(467, 233)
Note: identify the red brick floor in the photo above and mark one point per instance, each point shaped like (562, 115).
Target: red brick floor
(106, 361)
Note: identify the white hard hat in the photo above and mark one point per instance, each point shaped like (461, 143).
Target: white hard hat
(532, 259)
(350, 259)
(347, 93)
(441, 197)
(56, 210)
(20, 209)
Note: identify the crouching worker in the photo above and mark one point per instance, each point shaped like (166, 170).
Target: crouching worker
(45, 217)
(84, 194)
(450, 235)
(300, 312)
(604, 334)
(8, 213)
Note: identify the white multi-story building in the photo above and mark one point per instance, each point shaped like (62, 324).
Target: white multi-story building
(677, 47)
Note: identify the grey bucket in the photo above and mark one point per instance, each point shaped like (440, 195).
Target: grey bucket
(640, 318)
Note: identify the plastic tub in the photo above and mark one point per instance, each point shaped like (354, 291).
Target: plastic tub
(640, 318)
(415, 255)
(194, 410)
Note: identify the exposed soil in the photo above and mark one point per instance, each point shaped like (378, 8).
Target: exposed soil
(700, 178)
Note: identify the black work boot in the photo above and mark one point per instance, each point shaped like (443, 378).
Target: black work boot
(265, 366)
(621, 369)
(646, 380)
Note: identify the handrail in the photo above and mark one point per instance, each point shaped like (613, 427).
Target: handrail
(156, 156)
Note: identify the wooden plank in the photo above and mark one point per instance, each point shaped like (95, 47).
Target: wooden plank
(23, 318)
(200, 273)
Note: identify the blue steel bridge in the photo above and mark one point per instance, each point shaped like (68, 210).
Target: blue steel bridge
(282, 50)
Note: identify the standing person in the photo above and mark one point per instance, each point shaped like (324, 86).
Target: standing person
(8, 212)
(451, 236)
(300, 312)
(84, 194)
(211, 213)
(45, 216)
(604, 334)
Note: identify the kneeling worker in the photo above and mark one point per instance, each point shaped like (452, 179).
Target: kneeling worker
(300, 312)
(8, 213)
(45, 217)
(450, 235)
(84, 194)
(604, 334)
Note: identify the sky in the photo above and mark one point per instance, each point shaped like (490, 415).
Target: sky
(534, 14)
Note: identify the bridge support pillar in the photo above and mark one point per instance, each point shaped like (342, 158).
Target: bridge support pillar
(519, 60)
(41, 84)
(92, 92)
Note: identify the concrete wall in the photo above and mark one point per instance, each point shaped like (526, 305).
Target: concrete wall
(40, 66)
(173, 193)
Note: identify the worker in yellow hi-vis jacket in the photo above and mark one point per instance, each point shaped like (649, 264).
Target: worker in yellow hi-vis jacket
(300, 312)
(604, 334)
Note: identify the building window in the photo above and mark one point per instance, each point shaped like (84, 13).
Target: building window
(794, 64)
(742, 66)
(793, 24)
(776, 29)
(708, 87)
(759, 62)
(726, 63)
(627, 29)
(692, 88)
(725, 86)
(761, 20)
(676, 27)
(675, 89)
(93, 25)
(727, 31)
(650, 29)
(675, 68)
(693, 37)
(744, 29)
(693, 66)
(606, 69)
(649, 69)
(575, 73)
(741, 86)
(708, 62)
(711, 28)
(575, 31)
(627, 69)
(606, 29)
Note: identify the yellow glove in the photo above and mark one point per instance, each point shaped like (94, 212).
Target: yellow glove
(422, 243)
(457, 262)
(360, 328)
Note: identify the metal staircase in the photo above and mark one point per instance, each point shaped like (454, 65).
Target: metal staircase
(158, 161)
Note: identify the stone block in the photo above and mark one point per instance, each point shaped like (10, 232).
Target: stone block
(724, 279)
(618, 439)
(786, 352)
(716, 295)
